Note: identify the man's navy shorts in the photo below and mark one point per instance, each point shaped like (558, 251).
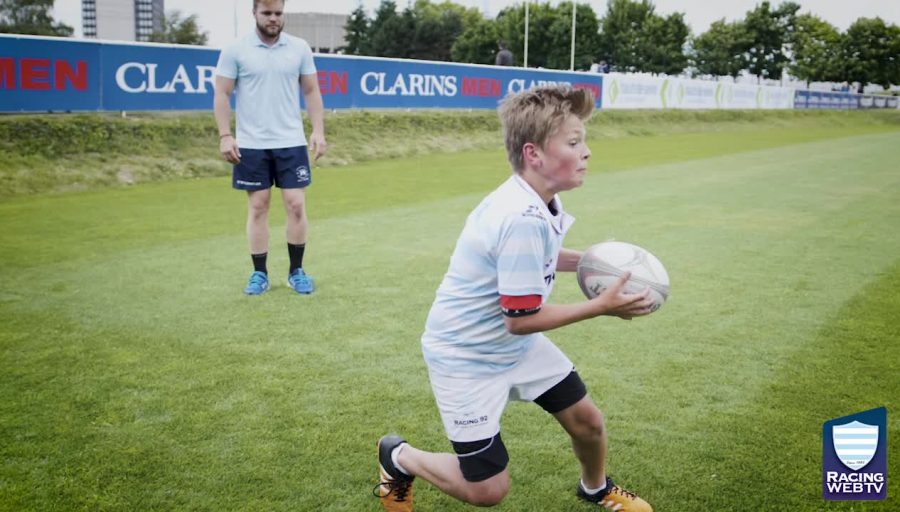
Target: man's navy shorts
(261, 168)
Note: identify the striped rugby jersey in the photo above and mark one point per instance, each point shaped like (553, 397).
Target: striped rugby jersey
(509, 246)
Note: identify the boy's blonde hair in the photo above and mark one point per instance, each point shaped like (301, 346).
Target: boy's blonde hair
(536, 114)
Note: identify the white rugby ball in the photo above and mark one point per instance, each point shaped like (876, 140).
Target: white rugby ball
(601, 266)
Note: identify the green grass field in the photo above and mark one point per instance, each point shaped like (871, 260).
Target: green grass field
(134, 375)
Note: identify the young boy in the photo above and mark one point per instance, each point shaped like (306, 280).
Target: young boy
(483, 340)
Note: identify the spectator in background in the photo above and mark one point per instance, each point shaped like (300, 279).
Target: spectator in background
(504, 56)
(601, 67)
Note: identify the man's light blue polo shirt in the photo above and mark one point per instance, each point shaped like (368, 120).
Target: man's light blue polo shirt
(267, 89)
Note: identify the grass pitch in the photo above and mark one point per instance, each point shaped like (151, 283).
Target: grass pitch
(135, 376)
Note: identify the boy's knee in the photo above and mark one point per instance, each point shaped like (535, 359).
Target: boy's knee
(487, 493)
(488, 496)
(591, 426)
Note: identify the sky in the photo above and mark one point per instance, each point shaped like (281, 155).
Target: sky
(222, 19)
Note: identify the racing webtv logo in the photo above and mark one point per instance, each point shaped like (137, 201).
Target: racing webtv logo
(854, 456)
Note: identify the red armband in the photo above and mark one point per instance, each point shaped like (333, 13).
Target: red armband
(520, 305)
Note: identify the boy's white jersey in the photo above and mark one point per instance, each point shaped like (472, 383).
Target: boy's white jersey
(509, 246)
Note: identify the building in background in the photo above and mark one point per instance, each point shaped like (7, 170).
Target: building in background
(324, 32)
(123, 20)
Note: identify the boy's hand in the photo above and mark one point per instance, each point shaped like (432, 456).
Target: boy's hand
(615, 301)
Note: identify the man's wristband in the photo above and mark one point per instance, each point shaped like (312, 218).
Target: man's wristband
(225, 135)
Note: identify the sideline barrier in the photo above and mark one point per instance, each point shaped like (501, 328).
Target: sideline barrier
(39, 74)
(842, 100)
(622, 91)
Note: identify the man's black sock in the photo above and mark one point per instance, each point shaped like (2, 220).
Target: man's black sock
(259, 262)
(295, 252)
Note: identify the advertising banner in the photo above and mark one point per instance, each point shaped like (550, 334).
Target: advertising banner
(370, 82)
(50, 74)
(40, 74)
(622, 91)
(156, 77)
(841, 100)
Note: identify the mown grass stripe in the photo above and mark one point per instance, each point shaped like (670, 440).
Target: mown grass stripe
(851, 364)
(111, 220)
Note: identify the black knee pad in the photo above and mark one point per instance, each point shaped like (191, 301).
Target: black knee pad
(480, 460)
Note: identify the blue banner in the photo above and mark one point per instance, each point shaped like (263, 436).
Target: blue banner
(155, 77)
(354, 82)
(40, 74)
(804, 99)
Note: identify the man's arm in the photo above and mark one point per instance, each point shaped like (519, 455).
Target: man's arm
(222, 111)
(309, 84)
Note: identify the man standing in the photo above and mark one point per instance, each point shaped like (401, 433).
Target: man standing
(266, 70)
(504, 56)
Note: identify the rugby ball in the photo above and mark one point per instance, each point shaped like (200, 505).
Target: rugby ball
(602, 264)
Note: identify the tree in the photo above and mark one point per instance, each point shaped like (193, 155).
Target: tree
(871, 52)
(357, 29)
(511, 26)
(634, 38)
(816, 46)
(661, 44)
(549, 34)
(477, 44)
(424, 30)
(620, 33)
(387, 10)
(394, 33)
(559, 50)
(722, 50)
(178, 30)
(769, 30)
(437, 27)
(587, 35)
(388, 34)
(30, 17)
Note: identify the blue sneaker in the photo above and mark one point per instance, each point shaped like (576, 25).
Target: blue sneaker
(300, 282)
(258, 284)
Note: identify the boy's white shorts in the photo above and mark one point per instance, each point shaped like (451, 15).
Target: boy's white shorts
(471, 407)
